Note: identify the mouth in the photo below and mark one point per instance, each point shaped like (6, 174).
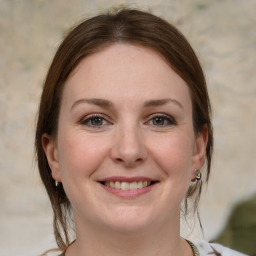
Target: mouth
(123, 185)
(128, 187)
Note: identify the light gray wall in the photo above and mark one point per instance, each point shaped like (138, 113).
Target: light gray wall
(224, 36)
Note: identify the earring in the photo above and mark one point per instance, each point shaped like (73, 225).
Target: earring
(198, 175)
(56, 183)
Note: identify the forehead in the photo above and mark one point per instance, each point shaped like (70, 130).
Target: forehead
(132, 70)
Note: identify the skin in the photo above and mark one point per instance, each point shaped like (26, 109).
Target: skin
(133, 135)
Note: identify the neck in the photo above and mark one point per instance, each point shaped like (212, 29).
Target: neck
(160, 241)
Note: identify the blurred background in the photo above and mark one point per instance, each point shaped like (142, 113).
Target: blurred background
(222, 32)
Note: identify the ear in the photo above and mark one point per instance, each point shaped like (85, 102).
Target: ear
(200, 149)
(51, 152)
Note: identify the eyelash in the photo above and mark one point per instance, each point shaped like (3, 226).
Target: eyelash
(166, 118)
(92, 117)
(170, 120)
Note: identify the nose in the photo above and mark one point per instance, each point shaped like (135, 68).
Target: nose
(129, 147)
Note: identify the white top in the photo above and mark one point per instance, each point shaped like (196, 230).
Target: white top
(206, 248)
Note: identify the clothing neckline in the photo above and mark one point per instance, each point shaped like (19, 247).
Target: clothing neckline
(194, 248)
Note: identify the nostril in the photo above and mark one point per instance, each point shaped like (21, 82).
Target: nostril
(119, 160)
(129, 156)
(129, 162)
(139, 160)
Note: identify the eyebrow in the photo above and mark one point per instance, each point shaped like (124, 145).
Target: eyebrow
(93, 101)
(160, 102)
(108, 104)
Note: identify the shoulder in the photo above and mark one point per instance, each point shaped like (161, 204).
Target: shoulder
(206, 248)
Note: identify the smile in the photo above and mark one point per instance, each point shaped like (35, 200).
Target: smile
(127, 185)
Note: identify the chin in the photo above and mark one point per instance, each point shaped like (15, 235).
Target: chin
(128, 220)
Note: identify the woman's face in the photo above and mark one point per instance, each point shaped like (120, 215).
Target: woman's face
(125, 150)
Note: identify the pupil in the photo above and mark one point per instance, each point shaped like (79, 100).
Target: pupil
(158, 121)
(96, 121)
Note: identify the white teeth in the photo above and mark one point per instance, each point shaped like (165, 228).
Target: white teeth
(133, 185)
(117, 185)
(140, 184)
(127, 185)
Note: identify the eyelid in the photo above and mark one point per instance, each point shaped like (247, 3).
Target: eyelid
(94, 115)
(162, 115)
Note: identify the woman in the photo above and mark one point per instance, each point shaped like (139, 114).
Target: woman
(123, 131)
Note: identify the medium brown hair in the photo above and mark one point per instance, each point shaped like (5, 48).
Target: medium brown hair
(123, 26)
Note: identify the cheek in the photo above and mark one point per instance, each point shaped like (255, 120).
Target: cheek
(173, 153)
(80, 154)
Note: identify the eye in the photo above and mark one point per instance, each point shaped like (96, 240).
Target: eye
(161, 120)
(94, 121)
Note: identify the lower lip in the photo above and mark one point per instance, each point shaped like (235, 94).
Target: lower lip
(128, 193)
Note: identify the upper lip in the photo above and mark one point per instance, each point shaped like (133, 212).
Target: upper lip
(127, 179)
